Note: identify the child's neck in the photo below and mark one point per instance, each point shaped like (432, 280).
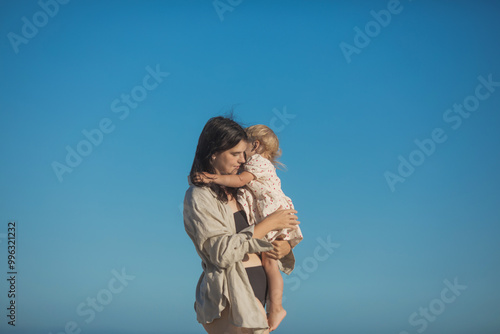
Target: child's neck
(265, 155)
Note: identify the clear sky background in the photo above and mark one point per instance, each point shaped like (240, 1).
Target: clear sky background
(347, 107)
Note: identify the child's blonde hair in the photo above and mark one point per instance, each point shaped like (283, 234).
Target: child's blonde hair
(268, 141)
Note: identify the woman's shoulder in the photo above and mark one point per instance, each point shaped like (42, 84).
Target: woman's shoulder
(196, 192)
(199, 200)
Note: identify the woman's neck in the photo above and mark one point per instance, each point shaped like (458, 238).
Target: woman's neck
(232, 202)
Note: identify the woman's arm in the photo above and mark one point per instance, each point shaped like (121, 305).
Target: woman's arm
(278, 220)
(208, 228)
(233, 181)
(281, 249)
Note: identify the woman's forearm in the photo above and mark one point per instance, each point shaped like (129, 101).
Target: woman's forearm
(262, 228)
(277, 220)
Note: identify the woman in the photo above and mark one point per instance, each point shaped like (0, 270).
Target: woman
(231, 291)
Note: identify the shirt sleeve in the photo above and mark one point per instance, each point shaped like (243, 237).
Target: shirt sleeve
(206, 225)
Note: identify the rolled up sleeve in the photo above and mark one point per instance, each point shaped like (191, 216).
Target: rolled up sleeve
(224, 250)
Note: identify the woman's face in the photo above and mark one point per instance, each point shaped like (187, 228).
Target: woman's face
(228, 162)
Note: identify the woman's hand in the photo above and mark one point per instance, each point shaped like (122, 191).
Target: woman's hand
(281, 248)
(278, 220)
(281, 219)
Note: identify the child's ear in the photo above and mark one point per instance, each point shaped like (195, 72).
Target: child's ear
(255, 145)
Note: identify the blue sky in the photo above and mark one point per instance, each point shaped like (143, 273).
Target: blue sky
(148, 75)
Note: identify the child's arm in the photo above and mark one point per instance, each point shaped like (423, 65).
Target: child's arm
(233, 181)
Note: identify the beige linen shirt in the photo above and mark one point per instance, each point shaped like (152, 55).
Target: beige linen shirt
(210, 225)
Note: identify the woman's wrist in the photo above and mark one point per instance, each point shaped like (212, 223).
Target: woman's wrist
(262, 228)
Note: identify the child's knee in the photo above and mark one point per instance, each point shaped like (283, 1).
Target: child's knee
(266, 259)
(270, 265)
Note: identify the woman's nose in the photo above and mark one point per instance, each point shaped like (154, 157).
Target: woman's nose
(241, 159)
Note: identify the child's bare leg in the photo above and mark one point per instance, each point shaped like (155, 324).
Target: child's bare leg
(275, 290)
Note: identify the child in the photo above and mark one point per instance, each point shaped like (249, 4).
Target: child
(261, 196)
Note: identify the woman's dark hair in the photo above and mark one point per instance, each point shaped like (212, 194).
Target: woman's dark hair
(219, 134)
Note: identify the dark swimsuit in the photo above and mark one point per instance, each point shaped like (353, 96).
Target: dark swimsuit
(256, 275)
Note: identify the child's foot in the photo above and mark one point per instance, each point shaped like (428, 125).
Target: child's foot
(274, 318)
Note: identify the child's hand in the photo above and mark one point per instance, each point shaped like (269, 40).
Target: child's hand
(202, 178)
